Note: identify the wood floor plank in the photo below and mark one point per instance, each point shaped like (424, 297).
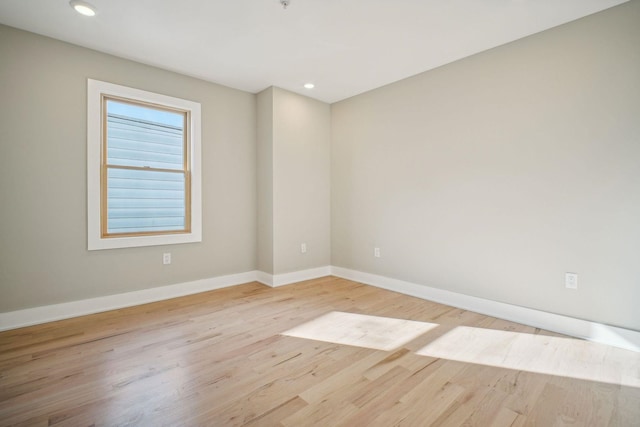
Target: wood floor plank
(224, 358)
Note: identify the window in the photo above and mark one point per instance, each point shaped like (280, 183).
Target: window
(143, 168)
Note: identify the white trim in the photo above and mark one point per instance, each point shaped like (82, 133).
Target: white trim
(264, 278)
(95, 89)
(275, 280)
(50, 313)
(591, 331)
(299, 276)
(585, 329)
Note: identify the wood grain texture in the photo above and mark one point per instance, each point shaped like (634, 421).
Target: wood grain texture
(223, 358)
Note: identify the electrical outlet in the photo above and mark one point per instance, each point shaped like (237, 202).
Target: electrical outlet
(571, 280)
(303, 248)
(166, 258)
(376, 252)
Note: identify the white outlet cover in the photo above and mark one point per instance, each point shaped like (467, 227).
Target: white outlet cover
(571, 280)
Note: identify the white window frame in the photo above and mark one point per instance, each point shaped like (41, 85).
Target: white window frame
(95, 241)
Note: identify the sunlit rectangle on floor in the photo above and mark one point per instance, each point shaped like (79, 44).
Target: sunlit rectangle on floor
(380, 333)
(543, 354)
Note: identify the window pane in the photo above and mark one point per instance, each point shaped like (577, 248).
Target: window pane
(144, 137)
(141, 201)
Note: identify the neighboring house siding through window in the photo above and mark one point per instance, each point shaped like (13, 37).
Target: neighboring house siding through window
(146, 170)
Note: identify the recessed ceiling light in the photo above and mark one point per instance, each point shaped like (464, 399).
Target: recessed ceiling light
(309, 86)
(83, 7)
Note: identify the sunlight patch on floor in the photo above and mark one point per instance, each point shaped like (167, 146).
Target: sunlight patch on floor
(558, 356)
(359, 330)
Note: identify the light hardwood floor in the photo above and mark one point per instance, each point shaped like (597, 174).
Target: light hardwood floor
(327, 352)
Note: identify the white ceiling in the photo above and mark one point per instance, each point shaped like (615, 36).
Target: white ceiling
(345, 47)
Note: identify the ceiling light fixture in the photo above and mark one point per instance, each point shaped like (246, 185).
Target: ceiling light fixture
(284, 3)
(309, 85)
(83, 8)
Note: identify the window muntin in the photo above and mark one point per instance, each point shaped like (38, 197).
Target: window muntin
(145, 179)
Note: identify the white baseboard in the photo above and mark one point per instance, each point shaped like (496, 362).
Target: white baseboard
(264, 278)
(591, 331)
(50, 313)
(275, 280)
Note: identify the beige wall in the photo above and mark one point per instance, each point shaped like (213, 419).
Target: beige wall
(295, 187)
(43, 224)
(265, 180)
(495, 175)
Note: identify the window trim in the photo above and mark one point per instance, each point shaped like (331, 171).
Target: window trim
(96, 90)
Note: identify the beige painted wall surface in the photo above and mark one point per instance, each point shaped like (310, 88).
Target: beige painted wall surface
(43, 225)
(265, 180)
(495, 175)
(301, 182)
